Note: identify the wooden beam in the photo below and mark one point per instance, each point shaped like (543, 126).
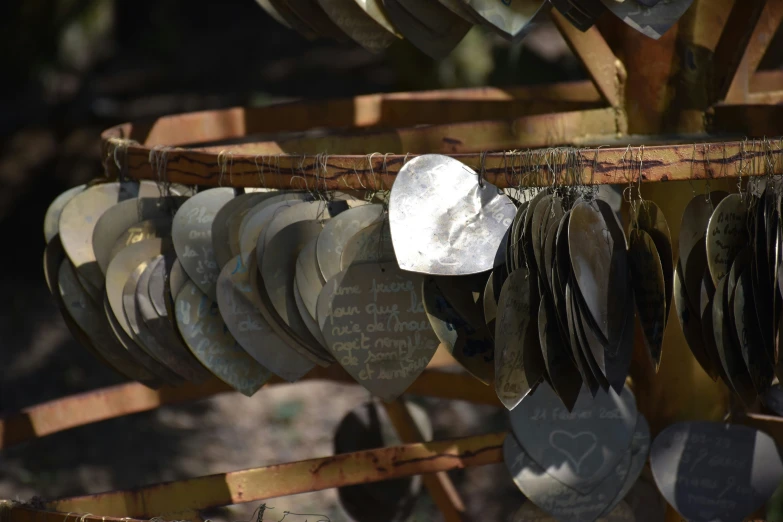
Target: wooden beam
(750, 120)
(401, 109)
(126, 399)
(733, 46)
(737, 89)
(766, 81)
(606, 71)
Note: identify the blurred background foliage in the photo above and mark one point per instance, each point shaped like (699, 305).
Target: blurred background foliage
(57, 50)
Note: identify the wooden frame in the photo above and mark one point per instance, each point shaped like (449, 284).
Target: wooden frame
(364, 141)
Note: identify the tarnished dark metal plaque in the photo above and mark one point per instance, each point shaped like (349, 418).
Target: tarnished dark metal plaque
(54, 256)
(436, 35)
(367, 427)
(710, 471)
(578, 448)
(121, 268)
(374, 33)
(600, 265)
(141, 334)
(312, 351)
(692, 249)
(727, 234)
(563, 373)
(470, 346)
(93, 322)
(649, 217)
(511, 20)
(690, 322)
(728, 350)
(278, 272)
(649, 291)
(516, 332)
(653, 21)
(565, 503)
(760, 366)
(309, 280)
(578, 347)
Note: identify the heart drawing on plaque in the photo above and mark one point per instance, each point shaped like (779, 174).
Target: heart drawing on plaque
(576, 448)
(550, 434)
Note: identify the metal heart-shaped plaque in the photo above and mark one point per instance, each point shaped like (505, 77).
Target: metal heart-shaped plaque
(161, 328)
(511, 20)
(373, 319)
(78, 219)
(443, 220)
(121, 217)
(578, 448)
(651, 21)
(709, 471)
(205, 333)
(52, 217)
(470, 346)
(565, 503)
(554, 497)
(238, 304)
(192, 235)
(516, 334)
(336, 233)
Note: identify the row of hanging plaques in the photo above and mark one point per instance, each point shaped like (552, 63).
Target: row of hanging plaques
(538, 295)
(436, 26)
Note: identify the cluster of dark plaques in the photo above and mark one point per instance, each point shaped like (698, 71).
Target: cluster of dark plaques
(542, 289)
(435, 27)
(565, 292)
(727, 287)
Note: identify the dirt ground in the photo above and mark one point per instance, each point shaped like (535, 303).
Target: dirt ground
(165, 59)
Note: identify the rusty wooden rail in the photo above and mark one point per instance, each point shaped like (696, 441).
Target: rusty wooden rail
(616, 165)
(291, 478)
(276, 480)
